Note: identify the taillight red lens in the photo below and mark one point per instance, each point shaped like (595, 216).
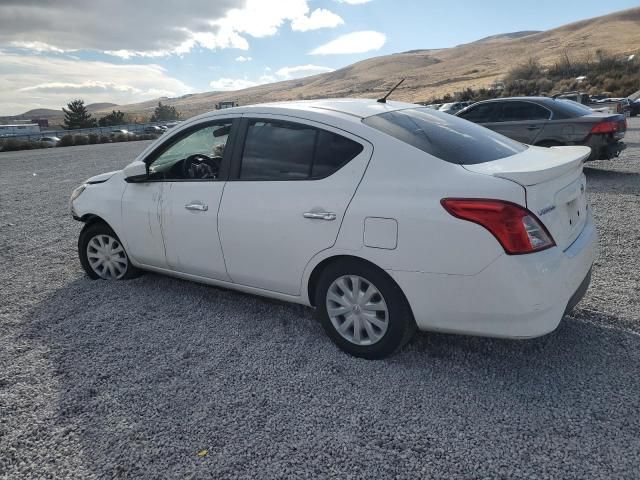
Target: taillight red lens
(516, 228)
(605, 127)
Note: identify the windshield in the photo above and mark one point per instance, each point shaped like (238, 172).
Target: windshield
(445, 136)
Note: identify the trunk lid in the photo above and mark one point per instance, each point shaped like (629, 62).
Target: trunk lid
(554, 183)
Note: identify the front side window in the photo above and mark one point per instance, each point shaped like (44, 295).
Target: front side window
(481, 113)
(277, 150)
(445, 136)
(522, 112)
(196, 156)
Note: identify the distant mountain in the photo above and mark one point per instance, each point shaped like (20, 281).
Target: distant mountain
(94, 107)
(506, 36)
(432, 72)
(40, 113)
(50, 113)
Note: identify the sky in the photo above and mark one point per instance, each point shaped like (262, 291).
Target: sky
(52, 51)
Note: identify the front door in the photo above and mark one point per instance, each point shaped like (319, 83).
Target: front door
(289, 189)
(192, 168)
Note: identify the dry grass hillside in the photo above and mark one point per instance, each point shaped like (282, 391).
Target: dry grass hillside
(432, 73)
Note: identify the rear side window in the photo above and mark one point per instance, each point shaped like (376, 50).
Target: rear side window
(277, 150)
(445, 136)
(522, 111)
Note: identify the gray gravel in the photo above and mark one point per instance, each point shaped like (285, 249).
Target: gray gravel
(132, 379)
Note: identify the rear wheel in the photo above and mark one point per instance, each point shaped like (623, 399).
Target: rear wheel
(102, 255)
(363, 310)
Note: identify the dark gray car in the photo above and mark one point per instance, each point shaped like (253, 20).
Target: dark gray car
(551, 122)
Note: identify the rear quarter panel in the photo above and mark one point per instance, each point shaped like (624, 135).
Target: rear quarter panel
(406, 184)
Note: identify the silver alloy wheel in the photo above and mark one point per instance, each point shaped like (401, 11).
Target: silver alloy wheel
(107, 257)
(357, 310)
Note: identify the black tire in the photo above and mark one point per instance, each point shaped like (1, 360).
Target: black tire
(401, 324)
(93, 230)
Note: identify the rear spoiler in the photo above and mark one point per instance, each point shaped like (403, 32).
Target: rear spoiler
(535, 165)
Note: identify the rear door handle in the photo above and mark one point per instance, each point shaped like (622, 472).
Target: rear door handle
(320, 215)
(200, 207)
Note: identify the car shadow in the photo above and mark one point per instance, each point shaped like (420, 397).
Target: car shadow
(612, 181)
(145, 373)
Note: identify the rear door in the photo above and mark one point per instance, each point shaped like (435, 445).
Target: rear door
(290, 186)
(520, 120)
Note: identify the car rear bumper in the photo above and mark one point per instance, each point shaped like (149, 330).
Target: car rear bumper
(520, 296)
(604, 148)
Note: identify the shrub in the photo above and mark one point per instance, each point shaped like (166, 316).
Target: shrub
(93, 138)
(81, 140)
(66, 141)
(13, 144)
(105, 139)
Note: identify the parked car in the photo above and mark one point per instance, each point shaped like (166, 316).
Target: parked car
(596, 102)
(550, 122)
(119, 131)
(626, 105)
(49, 141)
(386, 217)
(634, 108)
(434, 106)
(154, 129)
(453, 107)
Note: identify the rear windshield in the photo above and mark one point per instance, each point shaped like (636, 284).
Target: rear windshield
(445, 136)
(570, 108)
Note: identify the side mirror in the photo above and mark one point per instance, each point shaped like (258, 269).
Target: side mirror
(135, 172)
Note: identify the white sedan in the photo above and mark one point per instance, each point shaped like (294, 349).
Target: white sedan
(385, 217)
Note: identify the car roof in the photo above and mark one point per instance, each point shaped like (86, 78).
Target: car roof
(355, 108)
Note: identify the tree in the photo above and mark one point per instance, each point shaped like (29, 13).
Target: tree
(164, 112)
(113, 119)
(76, 116)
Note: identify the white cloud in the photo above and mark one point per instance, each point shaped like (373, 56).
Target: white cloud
(319, 18)
(225, 84)
(353, 2)
(38, 47)
(285, 73)
(34, 81)
(301, 71)
(152, 32)
(243, 59)
(355, 42)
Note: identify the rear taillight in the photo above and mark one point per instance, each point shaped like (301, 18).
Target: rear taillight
(516, 228)
(605, 127)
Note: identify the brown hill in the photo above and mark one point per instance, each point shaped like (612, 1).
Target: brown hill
(432, 73)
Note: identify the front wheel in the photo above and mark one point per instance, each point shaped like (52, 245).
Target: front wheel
(102, 255)
(363, 310)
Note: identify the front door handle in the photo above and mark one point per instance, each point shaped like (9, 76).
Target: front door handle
(200, 207)
(533, 127)
(320, 215)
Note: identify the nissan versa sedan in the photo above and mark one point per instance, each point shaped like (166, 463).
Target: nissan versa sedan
(385, 217)
(549, 122)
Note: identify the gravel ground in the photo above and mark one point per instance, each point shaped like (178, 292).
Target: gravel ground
(133, 379)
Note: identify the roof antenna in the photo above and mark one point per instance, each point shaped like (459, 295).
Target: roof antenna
(384, 99)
